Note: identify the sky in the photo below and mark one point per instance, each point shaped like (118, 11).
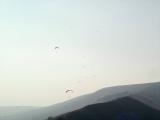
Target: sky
(100, 43)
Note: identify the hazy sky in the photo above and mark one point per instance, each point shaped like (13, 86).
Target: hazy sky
(101, 43)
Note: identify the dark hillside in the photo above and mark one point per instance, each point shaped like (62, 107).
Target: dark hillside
(125, 108)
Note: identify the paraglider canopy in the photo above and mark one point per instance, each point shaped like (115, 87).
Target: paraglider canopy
(56, 47)
(67, 91)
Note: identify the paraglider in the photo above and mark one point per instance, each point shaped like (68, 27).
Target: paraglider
(67, 91)
(56, 47)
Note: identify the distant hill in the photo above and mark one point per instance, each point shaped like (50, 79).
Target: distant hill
(6, 111)
(147, 93)
(125, 108)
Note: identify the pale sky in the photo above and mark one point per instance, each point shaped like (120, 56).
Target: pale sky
(101, 43)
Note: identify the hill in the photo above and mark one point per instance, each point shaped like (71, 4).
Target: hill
(147, 93)
(125, 108)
